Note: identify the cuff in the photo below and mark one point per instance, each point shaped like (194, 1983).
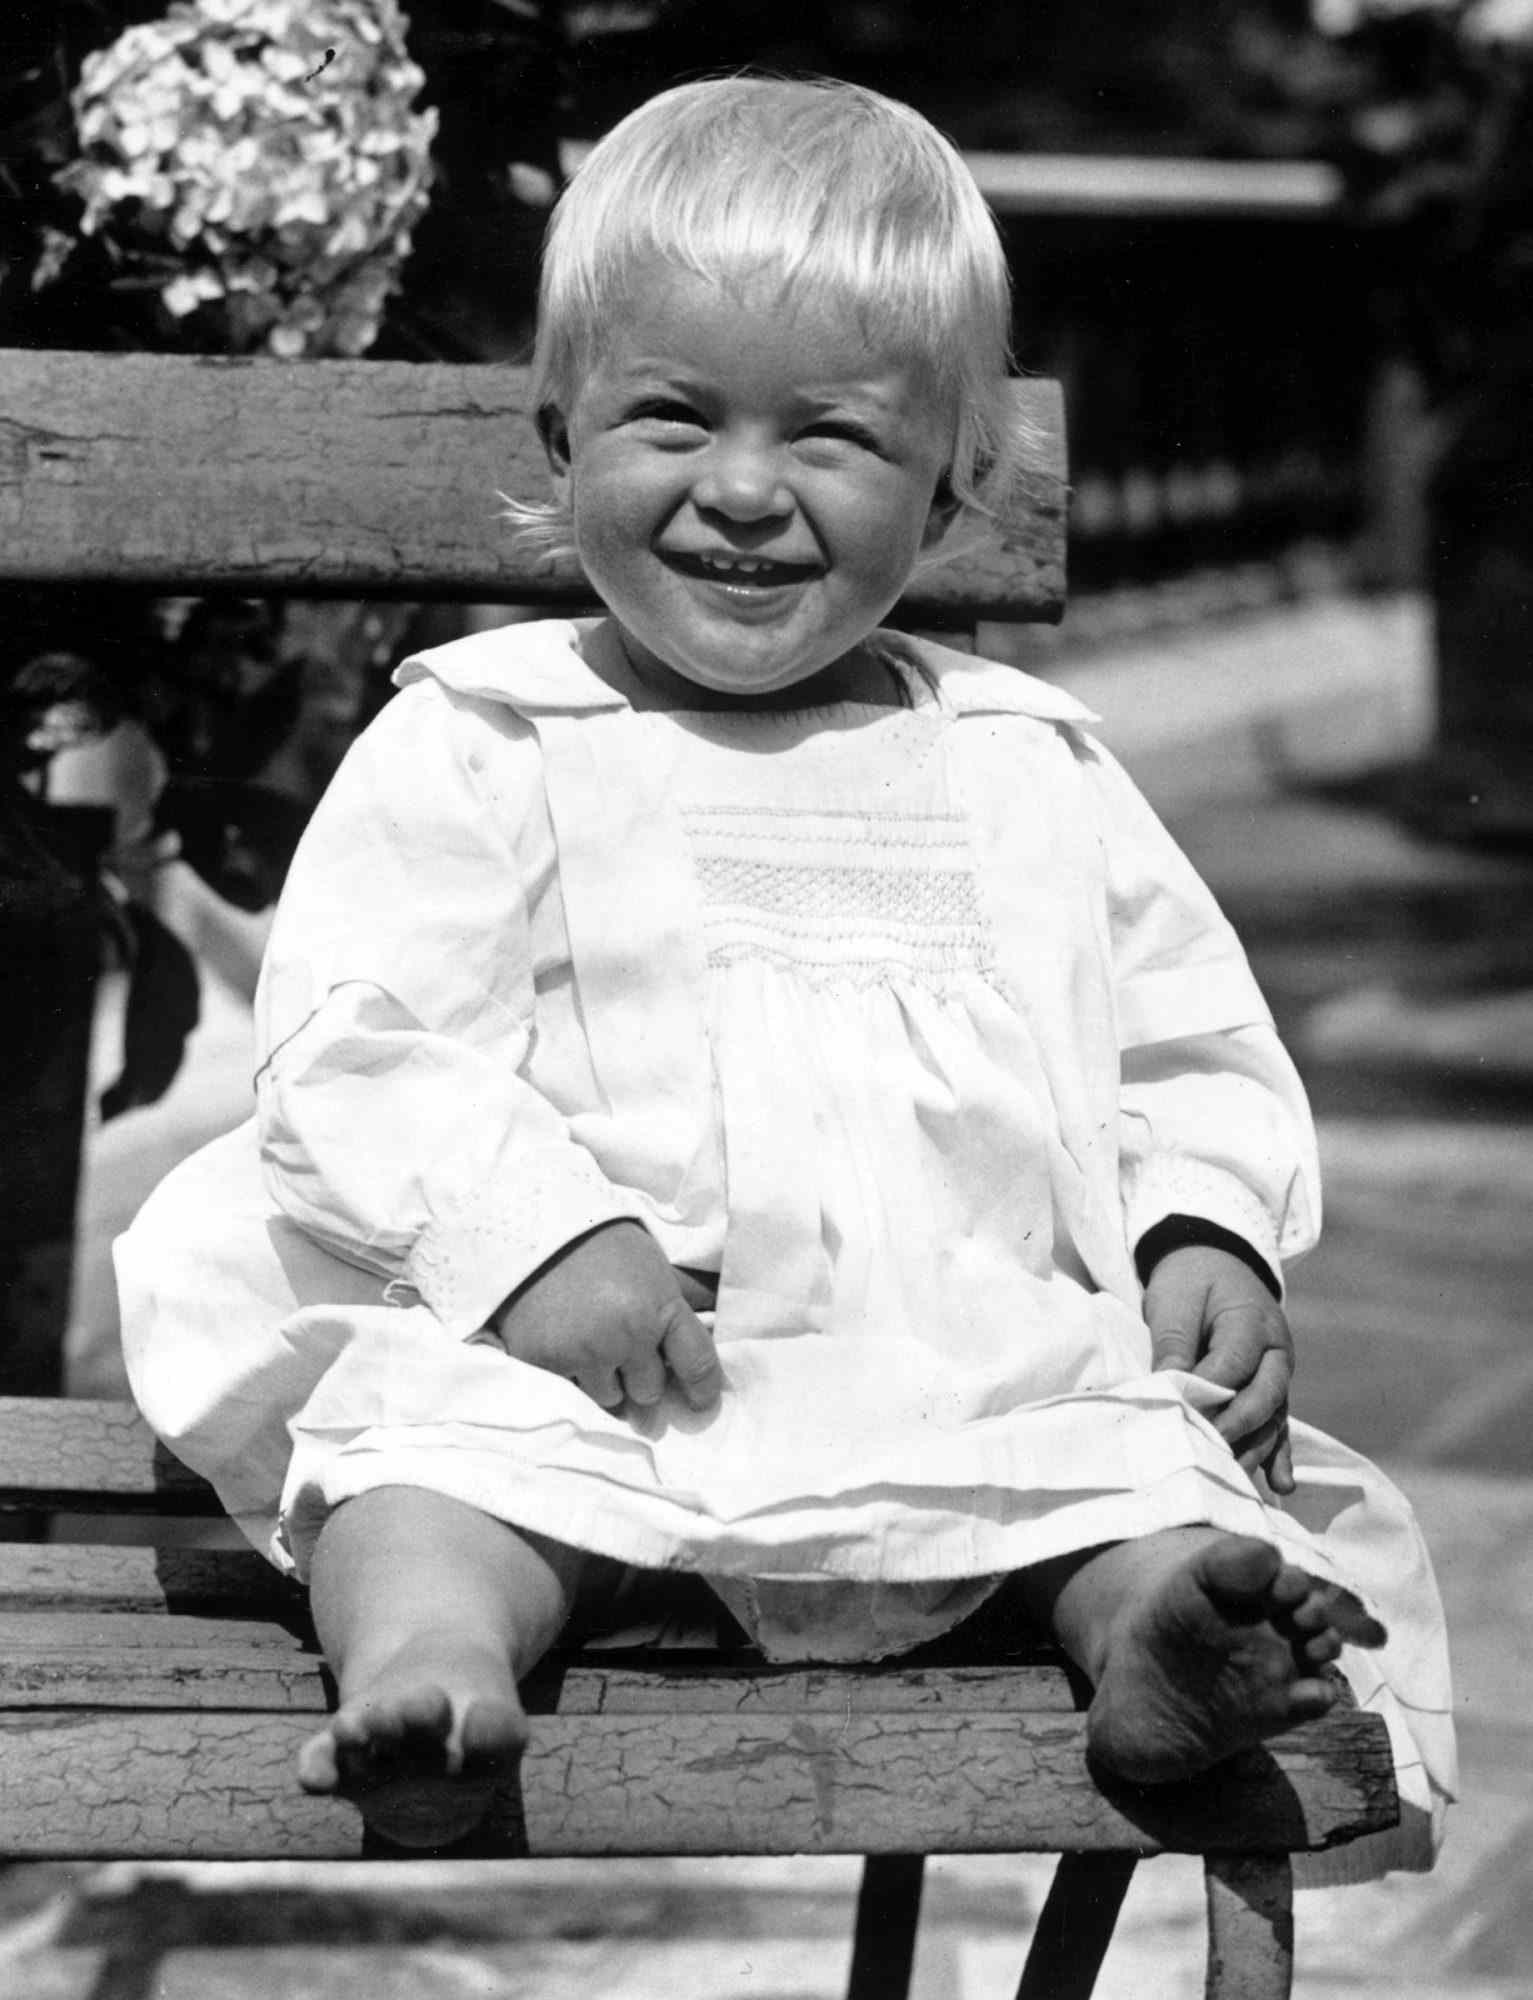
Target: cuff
(465, 1264)
(1176, 1184)
(1179, 1232)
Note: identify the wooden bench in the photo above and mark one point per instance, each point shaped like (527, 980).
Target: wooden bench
(152, 1696)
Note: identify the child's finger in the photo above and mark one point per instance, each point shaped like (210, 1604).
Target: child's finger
(1173, 1311)
(692, 1359)
(1239, 1342)
(1280, 1465)
(1264, 1398)
(1174, 1345)
(1260, 1447)
(602, 1386)
(700, 1289)
(643, 1378)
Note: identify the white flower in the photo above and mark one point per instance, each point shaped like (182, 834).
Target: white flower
(278, 173)
(283, 64)
(348, 240)
(187, 220)
(192, 289)
(308, 204)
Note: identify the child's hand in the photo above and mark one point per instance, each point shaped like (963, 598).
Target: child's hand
(1212, 1316)
(609, 1312)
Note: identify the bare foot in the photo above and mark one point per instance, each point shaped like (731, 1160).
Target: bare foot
(422, 1744)
(1223, 1648)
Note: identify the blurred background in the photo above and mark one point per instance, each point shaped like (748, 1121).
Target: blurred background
(1280, 253)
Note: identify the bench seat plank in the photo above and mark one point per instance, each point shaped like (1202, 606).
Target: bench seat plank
(87, 1453)
(69, 1659)
(152, 1784)
(125, 1577)
(190, 474)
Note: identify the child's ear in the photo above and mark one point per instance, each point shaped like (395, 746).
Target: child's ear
(945, 509)
(555, 433)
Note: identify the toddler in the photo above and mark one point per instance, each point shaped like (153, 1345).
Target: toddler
(746, 1091)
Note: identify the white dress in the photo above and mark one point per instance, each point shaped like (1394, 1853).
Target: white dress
(909, 1021)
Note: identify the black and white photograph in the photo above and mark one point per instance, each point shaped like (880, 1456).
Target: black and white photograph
(766, 974)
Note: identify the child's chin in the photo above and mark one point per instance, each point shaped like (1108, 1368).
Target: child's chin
(741, 681)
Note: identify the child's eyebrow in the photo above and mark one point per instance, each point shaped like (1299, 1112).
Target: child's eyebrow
(880, 399)
(869, 396)
(657, 367)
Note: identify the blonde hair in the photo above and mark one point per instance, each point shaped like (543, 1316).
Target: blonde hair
(833, 188)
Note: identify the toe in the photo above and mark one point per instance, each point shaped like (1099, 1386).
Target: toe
(318, 1770)
(422, 1719)
(494, 1737)
(1290, 1588)
(1309, 1699)
(1239, 1570)
(1330, 1607)
(388, 1733)
(353, 1725)
(358, 1737)
(1312, 1613)
(1352, 1619)
(1320, 1649)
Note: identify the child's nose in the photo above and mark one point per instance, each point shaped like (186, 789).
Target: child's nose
(743, 480)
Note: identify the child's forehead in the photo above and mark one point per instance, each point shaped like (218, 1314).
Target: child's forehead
(662, 288)
(742, 322)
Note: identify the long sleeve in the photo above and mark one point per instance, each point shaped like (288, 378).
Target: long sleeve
(1213, 1119)
(1217, 1126)
(395, 1014)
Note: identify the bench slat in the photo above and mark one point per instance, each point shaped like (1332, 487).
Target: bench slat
(73, 1659)
(87, 1454)
(358, 478)
(83, 1578)
(234, 1674)
(587, 1684)
(68, 1598)
(158, 1785)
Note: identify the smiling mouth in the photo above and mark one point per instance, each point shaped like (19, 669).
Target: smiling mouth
(742, 572)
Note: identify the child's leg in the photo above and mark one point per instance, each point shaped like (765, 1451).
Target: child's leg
(1197, 1642)
(429, 1612)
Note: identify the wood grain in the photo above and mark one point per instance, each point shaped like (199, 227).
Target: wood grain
(1250, 1926)
(79, 1577)
(358, 478)
(156, 1784)
(90, 1454)
(82, 1658)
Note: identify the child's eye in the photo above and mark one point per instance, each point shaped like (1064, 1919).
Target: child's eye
(666, 410)
(844, 430)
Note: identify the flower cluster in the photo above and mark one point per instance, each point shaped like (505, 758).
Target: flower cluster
(259, 163)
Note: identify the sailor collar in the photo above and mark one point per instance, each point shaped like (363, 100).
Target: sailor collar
(539, 668)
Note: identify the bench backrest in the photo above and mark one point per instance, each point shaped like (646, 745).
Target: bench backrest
(363, 479)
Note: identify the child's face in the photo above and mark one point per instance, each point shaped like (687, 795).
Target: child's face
(751, 484)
